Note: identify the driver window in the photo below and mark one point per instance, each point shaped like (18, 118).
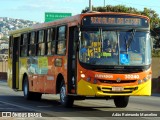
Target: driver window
(109, 43)
(84, 47)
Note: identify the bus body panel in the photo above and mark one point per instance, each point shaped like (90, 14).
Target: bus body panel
(107, 82)
(9, 75)
(43, 75)
(22, 70)
(90, 89)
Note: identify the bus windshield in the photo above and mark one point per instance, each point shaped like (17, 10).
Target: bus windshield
(115, 47)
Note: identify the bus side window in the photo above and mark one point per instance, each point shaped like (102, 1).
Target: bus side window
(48, 44)
(61, 42)
(53, 47)
(32, 45)
(50, 41)
(41, 44)
(23, 45)
(49, 48)
(41, 48)
(32, 49)
(10, 46)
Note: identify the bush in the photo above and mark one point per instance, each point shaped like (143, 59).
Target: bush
(156, 53)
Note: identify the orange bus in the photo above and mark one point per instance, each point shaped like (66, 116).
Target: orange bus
(91, 55)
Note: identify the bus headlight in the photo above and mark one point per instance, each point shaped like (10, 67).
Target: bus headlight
(83, 76)
(148, 77)
(145, 79)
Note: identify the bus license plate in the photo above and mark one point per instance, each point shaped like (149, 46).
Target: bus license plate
(117, 88)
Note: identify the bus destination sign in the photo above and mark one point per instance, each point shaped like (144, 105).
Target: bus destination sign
(118, 21)
(114, 20)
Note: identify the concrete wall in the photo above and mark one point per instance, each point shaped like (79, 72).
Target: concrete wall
(156, 75)
(3, 75)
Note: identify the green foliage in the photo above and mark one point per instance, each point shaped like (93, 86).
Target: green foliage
(156, 53)
(4, 38)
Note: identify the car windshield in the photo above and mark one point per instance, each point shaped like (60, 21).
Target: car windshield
(102, 47)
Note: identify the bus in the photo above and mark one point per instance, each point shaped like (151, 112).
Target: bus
(98, 55)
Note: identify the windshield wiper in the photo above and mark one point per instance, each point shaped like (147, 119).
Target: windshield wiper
(130, 38)
(101, 39)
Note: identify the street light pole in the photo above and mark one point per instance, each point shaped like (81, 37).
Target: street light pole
(104, 3)
(90, 5)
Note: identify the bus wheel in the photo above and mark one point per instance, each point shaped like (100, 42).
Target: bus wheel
(121, 101)
(27, 94)
(66, 100)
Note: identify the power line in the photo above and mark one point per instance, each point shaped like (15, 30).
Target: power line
(135, 4)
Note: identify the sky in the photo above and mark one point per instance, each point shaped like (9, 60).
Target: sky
(34, 10)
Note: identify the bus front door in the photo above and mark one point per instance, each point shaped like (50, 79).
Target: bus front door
(15, 63)
(72, 65)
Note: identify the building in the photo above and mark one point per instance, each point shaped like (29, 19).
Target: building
(1, 35)
(4, 45)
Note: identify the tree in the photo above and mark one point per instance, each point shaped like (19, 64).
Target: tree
(154, 19)
(4, 38)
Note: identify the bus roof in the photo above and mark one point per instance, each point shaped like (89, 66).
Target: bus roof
(69, 19)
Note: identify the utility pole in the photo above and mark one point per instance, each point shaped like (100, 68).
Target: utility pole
(90, 5)
(104, 3)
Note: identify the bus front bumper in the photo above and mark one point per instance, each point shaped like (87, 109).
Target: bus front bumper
(87, 89)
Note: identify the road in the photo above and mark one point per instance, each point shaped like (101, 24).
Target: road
(49, 106)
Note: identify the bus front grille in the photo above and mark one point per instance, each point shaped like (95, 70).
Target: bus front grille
(114, 92)
(110, 91)
(115, 82)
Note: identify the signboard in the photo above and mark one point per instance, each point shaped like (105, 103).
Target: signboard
(112, 20)
(49, 16)
(119, 21)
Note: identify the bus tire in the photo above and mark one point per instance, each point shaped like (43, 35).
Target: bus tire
(65, 100)
(27, 94)
(37, 96)
(121, 101)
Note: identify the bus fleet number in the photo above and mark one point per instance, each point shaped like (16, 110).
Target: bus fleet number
(131, 76)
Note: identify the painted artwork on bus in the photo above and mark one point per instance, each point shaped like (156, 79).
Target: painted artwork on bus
(37, 65)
